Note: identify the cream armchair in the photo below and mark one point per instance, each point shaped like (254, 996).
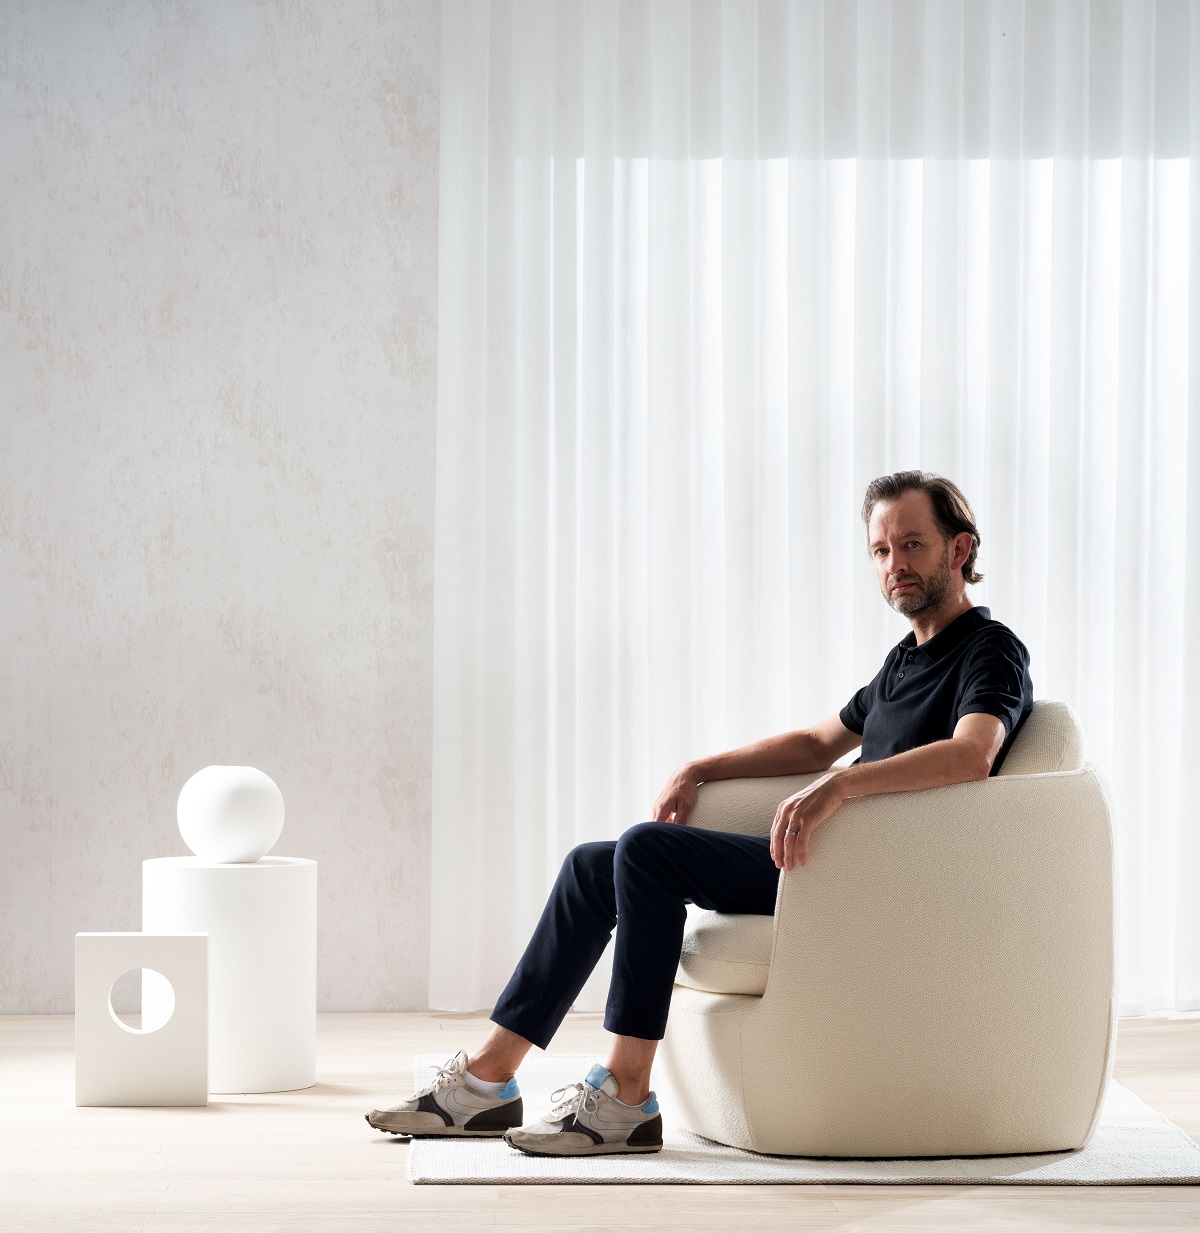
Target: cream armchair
(938, 980)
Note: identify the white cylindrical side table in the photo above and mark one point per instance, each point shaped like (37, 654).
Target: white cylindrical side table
(261, 921)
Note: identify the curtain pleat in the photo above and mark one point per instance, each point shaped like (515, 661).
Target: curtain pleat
(707, 267)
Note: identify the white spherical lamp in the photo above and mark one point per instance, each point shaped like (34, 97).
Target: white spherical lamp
(230, 814)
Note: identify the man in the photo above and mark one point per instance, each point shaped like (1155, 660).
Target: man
(944, 708)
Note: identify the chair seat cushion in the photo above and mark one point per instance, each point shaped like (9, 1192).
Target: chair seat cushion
(725, 953)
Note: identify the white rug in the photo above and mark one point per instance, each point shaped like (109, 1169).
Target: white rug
(1132, 1146)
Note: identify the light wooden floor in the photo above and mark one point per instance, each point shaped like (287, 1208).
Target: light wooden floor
(307, 1161)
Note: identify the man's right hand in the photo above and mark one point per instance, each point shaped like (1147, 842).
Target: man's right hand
(678, 797)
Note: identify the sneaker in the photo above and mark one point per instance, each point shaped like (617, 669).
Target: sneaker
(587, 1120)
(450, 1107)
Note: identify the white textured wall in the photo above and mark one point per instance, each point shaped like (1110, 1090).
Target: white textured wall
(218, 237)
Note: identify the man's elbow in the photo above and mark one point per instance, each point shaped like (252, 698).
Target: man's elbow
(976, 762)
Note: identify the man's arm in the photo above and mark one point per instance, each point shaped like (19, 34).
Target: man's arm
(966, 755)
(793, 753)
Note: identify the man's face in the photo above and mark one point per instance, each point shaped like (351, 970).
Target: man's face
(907, 548)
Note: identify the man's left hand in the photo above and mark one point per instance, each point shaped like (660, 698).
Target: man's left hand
(802, 814)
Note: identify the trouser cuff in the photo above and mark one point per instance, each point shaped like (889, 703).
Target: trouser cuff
(639, 1023)
(535, 1033)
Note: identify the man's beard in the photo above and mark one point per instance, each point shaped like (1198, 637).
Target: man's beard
(924, 594)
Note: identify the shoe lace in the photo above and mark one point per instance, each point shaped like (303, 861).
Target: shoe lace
(452, 1069)
(573, 1098)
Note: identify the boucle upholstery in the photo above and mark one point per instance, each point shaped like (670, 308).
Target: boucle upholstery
(1050, 739)
(941, 973)
(724, 953)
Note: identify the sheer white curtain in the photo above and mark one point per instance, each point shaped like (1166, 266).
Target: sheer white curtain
(707, 269)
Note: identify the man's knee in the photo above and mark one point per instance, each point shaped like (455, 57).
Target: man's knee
(645, 840)
(587, 861)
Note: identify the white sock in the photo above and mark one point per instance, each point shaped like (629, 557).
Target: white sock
(485, 1085)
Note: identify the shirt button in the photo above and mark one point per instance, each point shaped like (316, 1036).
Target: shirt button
(902, 674)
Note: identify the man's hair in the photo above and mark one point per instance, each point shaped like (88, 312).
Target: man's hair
(951, 510)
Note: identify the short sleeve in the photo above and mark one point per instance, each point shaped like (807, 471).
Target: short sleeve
(854, 713)
(994, 682)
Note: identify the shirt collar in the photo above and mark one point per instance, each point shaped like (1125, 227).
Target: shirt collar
(947, 638)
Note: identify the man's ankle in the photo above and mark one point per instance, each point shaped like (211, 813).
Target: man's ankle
(628, 1090)
(490, 1072)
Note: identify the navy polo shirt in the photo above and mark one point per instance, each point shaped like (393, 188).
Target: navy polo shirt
(921, 692)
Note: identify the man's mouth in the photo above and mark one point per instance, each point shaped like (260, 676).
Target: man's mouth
(903, 586)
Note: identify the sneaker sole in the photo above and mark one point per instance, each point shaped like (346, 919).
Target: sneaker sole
(450, 1132)
(594, 1149)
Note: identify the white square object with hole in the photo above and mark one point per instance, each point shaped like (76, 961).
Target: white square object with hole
(165, 1062)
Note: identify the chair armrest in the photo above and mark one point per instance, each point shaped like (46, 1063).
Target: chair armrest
(1007, 883)
(745, 806)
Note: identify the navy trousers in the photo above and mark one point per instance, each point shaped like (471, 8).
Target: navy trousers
(640, 884)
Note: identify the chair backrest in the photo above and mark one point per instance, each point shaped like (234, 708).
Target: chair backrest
(1050, 739)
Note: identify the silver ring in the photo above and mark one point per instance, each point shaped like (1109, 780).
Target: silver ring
(791, 832)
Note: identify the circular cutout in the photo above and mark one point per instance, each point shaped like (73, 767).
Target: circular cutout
(230, 814)
(145, 987)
